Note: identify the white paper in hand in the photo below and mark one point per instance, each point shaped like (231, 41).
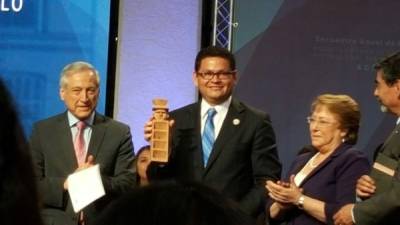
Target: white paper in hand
(85, 187)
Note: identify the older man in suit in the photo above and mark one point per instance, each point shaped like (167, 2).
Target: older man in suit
(381, 206)
(78, 139)
(219, 140)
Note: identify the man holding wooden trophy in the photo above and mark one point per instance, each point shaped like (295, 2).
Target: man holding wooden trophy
(218, 140)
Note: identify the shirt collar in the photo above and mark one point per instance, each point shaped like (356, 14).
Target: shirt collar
(72, 120)
(219, 108)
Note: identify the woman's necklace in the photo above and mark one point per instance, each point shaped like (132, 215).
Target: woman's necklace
(311, 162)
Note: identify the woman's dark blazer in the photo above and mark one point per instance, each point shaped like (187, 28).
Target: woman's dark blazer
(333, 182)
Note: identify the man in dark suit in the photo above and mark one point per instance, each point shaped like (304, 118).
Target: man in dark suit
(78, 139)
(380, 206)
(240, 153)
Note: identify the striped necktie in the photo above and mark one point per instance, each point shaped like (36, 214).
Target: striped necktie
(79, 143)
(208, 137)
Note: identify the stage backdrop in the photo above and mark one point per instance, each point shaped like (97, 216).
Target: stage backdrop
(291, 51)
(158, 43)
(38, 38)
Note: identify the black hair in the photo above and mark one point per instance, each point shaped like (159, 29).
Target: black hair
(213, 51)
(390, 66)
(136, 161)
(143, 148)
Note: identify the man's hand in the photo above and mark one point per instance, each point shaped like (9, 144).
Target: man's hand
(365, 187)
(343, 216)
(89, 162)
(148, 128)
(66, 185)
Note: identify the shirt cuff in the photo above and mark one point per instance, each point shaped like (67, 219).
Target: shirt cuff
(352, 214)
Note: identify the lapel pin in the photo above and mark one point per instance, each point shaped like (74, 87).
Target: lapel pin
(236, 122)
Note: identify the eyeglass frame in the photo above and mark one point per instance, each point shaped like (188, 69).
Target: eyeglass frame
(321, 122)
(223, 75)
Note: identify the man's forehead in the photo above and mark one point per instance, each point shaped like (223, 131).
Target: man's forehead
(80, 84)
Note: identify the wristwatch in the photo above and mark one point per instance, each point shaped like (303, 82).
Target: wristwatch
(300, 202)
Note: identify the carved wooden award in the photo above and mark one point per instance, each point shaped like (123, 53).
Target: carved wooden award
(159, 145)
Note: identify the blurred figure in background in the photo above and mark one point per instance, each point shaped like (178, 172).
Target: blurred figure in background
(19, 203)
(174, 204)
(142, 162)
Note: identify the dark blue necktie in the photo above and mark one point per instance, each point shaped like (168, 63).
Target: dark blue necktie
(208, 137)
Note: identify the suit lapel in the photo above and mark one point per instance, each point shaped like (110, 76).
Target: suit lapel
(228, 129)
(315, 170)
(342, 148)
(196, 135)
(98, 132)
(65, 143)
(390, 146)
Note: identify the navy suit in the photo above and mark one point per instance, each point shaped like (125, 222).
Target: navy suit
(244, 154)
(54, 159)
(333, 182)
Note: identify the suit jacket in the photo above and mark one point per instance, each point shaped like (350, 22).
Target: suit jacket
(244, 154)
(333, 182)
(54, 159)
(383, 208)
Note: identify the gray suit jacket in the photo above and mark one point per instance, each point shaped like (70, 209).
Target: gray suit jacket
(383, 208)
(244, 155)
(54, 159)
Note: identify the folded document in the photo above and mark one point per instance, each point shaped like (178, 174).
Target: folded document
(85, 187)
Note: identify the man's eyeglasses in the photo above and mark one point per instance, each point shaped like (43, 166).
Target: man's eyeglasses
(322, 122)
(223, 75)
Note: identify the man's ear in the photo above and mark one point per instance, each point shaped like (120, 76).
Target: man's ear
(194, 78)
(397, 86)
(62, 93)
(343, 133)
(235, 77)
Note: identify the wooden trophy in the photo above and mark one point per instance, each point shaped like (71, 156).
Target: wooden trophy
(159, 145)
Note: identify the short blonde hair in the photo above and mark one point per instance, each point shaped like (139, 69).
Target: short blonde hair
(347, 111)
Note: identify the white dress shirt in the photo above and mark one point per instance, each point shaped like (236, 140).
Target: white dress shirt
(87, 133)
(222, 110)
